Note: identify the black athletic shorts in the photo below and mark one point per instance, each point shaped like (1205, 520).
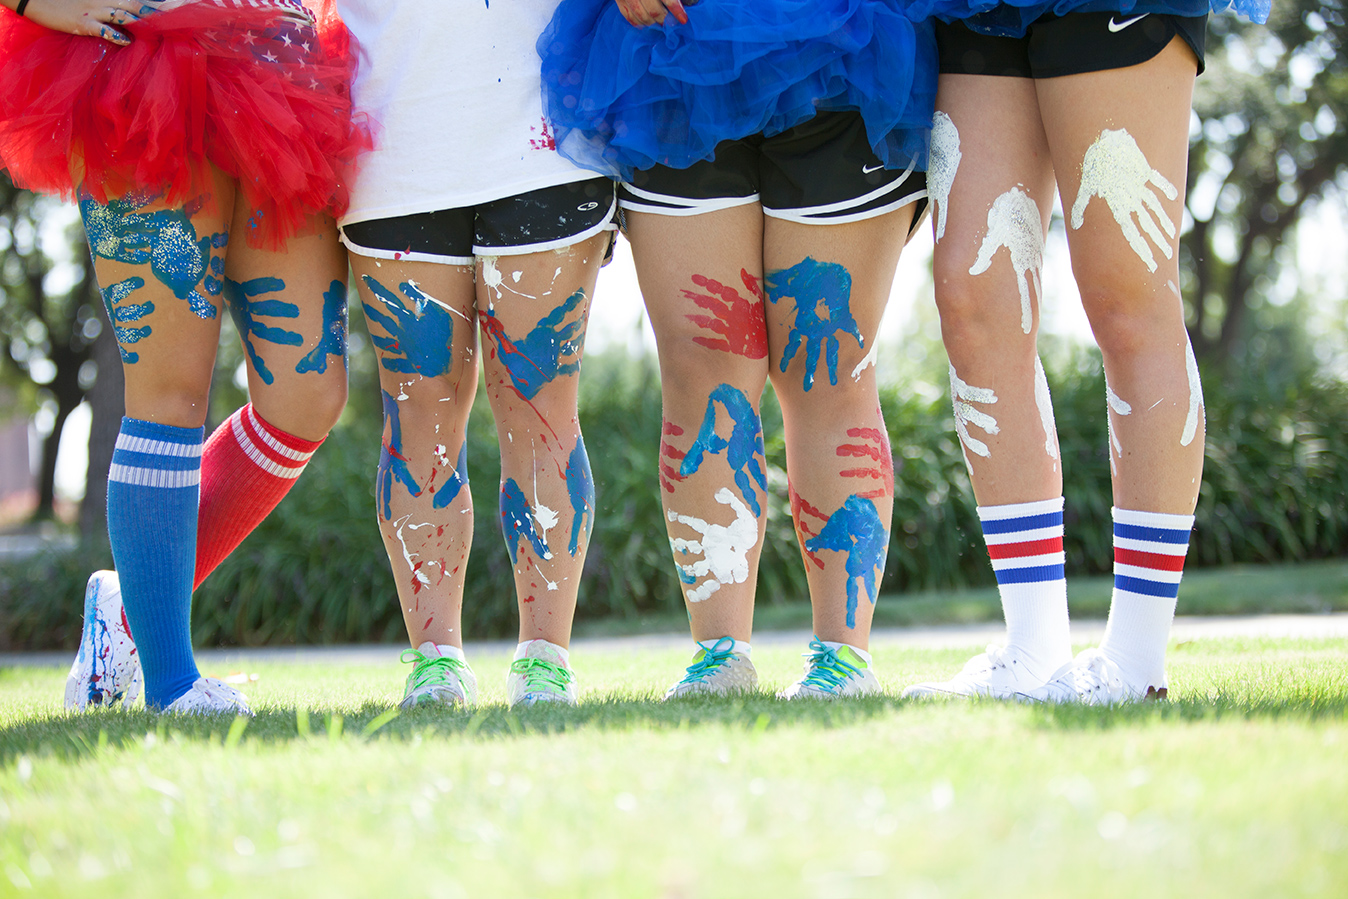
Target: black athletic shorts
(821, 172)
(1067, 45)
(544, 219)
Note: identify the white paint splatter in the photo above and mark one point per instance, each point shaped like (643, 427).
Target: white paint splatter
(1044, 401)
(1116, 170)
(867, 362)
(1014, 222)
(962, 396)
(942, 166)
(1174, 288)
(491, 275)
(410, 557)
(515, 276)
(547, 520)
(1118, 407)
(1195, 395)
(724, 549)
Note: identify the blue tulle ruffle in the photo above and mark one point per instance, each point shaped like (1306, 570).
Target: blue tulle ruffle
(1012, 17)
(622, 98)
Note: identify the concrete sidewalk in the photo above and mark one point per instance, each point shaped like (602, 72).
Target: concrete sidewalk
(976, 636)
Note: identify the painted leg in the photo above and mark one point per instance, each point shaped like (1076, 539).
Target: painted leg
(706, 306)
(421, 319)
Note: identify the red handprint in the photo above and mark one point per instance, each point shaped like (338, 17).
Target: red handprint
(740, 322)
(875, 448)
(799, 509)
(670, 473)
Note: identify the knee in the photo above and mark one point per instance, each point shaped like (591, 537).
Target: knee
(1128, 321)
(307, 410)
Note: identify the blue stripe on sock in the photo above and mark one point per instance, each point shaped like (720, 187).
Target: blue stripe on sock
(1026, 523)
(1034, 575)
(1150, 534)
(1145, 587)
(155, 461)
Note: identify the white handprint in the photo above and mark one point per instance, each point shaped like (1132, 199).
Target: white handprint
(1014, 223)
(961, 397)
(724, 549)
(1116, 170)
(942, 165)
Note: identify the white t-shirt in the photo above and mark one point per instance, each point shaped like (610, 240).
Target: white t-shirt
(452, 92)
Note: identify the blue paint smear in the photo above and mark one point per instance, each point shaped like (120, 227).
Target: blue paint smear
(537, 359)
(332, 341)
(518, 522)
(392, 461)
(812, 285)
(580, 487)
(454, 484)
(741, 448)
(113, 297)
(245, 310)
(166, 239)
(419, 339)
(855, 529)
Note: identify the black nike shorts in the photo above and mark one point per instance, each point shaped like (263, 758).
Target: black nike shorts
(821, 172)
(1078, 42)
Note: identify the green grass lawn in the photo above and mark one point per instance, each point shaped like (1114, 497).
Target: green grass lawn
(1237, 787)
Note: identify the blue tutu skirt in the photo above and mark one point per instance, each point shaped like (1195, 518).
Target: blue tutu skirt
(1013, 17)
(622, 98)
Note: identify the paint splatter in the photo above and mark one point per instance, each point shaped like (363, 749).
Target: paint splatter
(517, 522)
(394, 467)
(944, 163)
(546, 141)
(120, 312)
(822, 293)
(1044, 401)
(874, 446)
(867, 361)
(856, 530)
(724, 549)
(739, 322)
(1118, 407)
(419, 578)
(1014, 223)
(1196, 409)
(332, 340)
(580, 490)
(962, 396)
(743, 449)
(166, 239)
(245, 309)
(1116, 170)
(550, 350)
(671, 457)
(419, 338)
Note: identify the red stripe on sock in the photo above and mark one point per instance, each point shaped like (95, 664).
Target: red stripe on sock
(1154, 561)
(1027, 548)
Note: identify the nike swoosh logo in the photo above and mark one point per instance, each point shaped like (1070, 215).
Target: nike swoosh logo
(867, 169)
(1116, 27)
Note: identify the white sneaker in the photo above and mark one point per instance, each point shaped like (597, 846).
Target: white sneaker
(1093, 678)
(1000, 673)
(210, 696)
(716, 671)
(437, 679)
(832, 674)
(107, 667)
(540, 674)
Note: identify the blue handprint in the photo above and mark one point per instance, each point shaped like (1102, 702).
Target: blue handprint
(332, 342)
(745, 442)
(822, 291)
(517, 521)
(131, 312)
(580, 487)
(393, 466)
(534, 361)
(166, 239)
(855, 529)
(245, 310)
(422, 336)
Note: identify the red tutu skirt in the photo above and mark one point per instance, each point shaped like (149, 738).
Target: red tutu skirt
(235, 84)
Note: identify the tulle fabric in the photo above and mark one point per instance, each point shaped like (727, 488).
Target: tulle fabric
(622, 98)
(215, 82)
(1012, 18)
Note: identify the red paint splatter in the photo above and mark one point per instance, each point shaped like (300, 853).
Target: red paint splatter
(669, 473)
(547, 141)
(427, 625)
(740, 322)
(799, 509)
(529, 598)
(877, 450)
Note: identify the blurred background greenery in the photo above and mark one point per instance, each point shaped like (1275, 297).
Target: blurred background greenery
(1262, 255)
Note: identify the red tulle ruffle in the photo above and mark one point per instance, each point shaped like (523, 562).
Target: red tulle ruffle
(236, 85)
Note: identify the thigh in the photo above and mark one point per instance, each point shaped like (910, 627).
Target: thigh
(161, 273)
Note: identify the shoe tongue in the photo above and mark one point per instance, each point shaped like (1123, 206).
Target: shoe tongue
(848, 655)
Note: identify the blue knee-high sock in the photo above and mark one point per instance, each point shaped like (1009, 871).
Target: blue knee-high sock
(153, 490)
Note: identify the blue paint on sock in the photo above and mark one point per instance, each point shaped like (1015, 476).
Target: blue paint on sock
(153, 491)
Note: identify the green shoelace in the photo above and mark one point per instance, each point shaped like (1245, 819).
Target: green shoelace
(543, 675)
(827, 670)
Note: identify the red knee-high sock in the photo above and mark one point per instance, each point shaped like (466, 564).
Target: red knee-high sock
(247, 467)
